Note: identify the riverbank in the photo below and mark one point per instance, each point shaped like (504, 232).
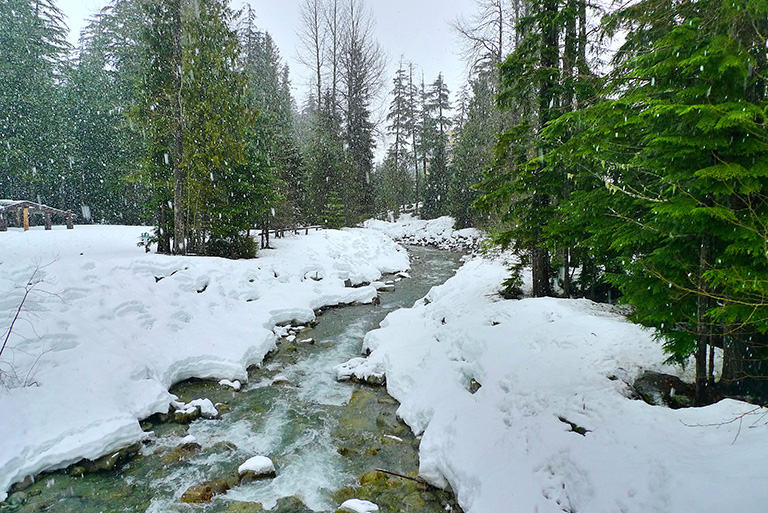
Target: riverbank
(110, 329)
(526, 405)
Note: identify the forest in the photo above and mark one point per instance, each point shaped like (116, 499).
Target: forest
(620, 151)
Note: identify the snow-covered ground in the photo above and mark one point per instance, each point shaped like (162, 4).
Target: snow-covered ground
(110, 328)
(435, 232)
(541, 364)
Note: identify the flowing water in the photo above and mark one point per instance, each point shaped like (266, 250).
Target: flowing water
(326, 438)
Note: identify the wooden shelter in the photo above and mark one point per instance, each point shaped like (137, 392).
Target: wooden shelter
(19, 211)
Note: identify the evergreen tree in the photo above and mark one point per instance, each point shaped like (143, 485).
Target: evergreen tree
(194, 115)
(328, 167)
(33, 48)
(539, 83)
(101, 149)
(437, 107)
(361, 68)
(269, 94)
(401, 120)
(672, 169)
(475, 142)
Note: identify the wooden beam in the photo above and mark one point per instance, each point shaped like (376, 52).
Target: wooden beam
(26, 219)
(70, 220)
(48, 221)
(3, 222)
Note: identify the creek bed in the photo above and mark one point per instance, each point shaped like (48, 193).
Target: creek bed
(326, 438)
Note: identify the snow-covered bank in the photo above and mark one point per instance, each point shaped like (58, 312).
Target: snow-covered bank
(542, 367)
(111, 328)
(434, 232)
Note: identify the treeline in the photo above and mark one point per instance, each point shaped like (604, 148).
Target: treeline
(438, 150)
(642, 176)
(179, 113)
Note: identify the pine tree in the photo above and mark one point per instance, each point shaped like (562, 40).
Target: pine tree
(361, 66)
(437, 107)
(195, 118)
(539, 83)
(269, 94)
(475, 142)
(33, 48)
(401, 120)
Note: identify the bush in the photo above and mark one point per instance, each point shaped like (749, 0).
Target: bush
(232, 247)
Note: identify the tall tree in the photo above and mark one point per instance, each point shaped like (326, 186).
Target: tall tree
(536, 87)
(194, 114)
(33, 48)
(362, 65)
(475, 141)
(401, 119)
(313, 38)
(438, 179)
(269, 95)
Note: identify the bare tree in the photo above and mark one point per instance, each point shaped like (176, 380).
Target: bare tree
(489, 35)
(362, 64)
(313, 40)
(333, 23)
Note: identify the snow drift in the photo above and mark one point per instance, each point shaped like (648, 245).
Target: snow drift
(524, 407)
(110, 328)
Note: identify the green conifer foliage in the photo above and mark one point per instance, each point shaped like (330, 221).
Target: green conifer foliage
(33, 49)
(671, 188)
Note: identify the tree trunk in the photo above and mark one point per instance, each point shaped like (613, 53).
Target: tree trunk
(702, 326)
(540, 270)
(179, 178)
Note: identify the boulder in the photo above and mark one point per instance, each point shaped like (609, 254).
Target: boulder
(664, 390)
(258, 467)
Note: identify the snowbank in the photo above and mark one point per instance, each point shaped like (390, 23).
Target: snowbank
(543, 368)
(111, 328)
(434, 232)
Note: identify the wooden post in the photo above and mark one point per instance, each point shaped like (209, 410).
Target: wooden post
(70, 220)
(47, 220)
(26, 219)
(3, 222)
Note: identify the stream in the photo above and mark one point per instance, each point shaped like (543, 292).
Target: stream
(326, 438)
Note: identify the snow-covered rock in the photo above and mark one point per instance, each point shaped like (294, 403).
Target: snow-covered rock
(433, 232)
(234, 385)
(358, 506)
(258, 466)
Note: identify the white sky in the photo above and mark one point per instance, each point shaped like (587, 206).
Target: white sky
(417, 29)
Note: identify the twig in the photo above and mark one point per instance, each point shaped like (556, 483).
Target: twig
(740, 418)
(420, 481)
(27, 289)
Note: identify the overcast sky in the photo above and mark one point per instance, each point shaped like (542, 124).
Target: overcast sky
(417, 29)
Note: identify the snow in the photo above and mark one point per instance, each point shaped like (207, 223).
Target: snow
(505, 448)
(207, 409)
(258, 465)
(358, 506)
(111, 328)
(101, 348)
(234, 385)
(435, 232)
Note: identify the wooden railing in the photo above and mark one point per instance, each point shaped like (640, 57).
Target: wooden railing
(279, 233)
